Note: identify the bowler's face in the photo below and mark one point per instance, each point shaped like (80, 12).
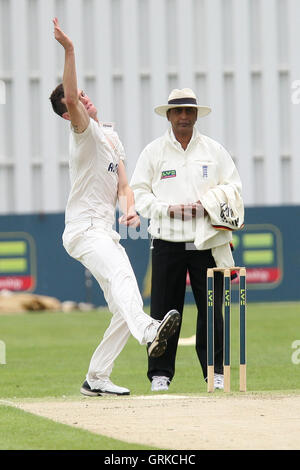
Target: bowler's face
(182, 119)
(85, 100)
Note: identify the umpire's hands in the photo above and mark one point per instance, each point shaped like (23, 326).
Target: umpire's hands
(186, 211)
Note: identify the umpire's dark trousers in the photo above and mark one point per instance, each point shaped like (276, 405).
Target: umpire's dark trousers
(170, 263)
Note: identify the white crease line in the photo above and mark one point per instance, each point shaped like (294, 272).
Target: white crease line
(166, 397)
(138, 397)
(8, 403)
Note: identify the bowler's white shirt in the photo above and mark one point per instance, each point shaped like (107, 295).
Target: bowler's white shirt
(93, 166)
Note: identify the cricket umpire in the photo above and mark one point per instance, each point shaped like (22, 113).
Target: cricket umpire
(188, 186)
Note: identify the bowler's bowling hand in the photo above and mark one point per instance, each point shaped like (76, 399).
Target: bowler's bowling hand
(61, 37)
(131, 220)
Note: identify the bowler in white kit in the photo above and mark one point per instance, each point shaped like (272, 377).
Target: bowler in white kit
(98, 182)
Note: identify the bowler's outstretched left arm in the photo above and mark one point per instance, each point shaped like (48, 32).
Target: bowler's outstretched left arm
(126, 199)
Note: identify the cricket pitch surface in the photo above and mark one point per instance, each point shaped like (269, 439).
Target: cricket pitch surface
(180, 422)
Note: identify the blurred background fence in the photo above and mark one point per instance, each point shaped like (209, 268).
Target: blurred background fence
(33, 259)
(240, 56)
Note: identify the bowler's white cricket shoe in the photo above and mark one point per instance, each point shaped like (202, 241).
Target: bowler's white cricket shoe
(167, 328)
(103, 387)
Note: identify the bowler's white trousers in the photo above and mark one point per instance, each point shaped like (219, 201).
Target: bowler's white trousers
(96, 245)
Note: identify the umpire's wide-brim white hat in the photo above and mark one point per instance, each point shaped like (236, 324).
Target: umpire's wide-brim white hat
(182, 99)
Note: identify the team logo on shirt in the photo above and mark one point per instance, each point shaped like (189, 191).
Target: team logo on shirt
(113, 167)
(205, 171)
(168, 174)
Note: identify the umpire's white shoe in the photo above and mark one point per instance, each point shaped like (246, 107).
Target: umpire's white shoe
(167, 328)
(219, 381)
(103, 387)
(159, 383)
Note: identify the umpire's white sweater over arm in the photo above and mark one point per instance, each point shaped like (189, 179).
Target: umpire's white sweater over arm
(166, 174)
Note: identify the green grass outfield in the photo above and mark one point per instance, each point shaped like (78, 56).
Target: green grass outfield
(47, 355)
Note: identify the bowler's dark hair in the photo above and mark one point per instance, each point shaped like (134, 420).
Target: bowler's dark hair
(56, 97)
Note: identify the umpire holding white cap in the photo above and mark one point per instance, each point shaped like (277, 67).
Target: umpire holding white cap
(188, 186)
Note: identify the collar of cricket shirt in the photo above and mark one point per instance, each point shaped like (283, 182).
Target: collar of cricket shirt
(196, 137)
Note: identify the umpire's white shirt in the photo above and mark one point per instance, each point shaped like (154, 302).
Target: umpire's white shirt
(166, 174)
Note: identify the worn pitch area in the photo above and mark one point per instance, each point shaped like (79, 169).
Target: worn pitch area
(217, 421)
